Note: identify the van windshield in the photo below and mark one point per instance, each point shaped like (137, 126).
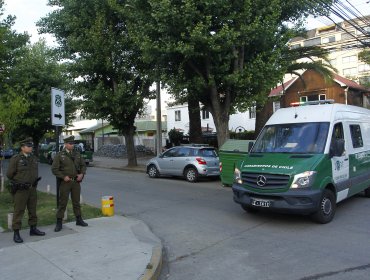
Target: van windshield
(302, 138)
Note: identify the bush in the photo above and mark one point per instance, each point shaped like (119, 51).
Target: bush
(244, 135)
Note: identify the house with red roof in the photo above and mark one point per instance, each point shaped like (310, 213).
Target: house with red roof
(313, 86)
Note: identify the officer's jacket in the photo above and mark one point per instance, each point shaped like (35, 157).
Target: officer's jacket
(23, 169)
(68, 164)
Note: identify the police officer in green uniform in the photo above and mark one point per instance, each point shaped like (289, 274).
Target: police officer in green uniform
(23, 174)
(69, 167)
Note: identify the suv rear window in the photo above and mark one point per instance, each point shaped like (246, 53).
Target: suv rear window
(206, 153)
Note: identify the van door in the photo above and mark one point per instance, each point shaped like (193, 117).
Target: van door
(359, 159)
(340, 164)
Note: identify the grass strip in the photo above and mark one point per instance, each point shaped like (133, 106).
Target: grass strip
(46, 210)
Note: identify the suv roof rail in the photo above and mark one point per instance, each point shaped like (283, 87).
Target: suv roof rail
(195, 145)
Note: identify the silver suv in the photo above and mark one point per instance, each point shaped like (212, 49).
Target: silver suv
(188, 161)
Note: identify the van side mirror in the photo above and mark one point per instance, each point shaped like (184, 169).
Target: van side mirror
(337, 148)
(250, 146)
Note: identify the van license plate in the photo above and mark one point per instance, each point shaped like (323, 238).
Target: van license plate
(261, 203)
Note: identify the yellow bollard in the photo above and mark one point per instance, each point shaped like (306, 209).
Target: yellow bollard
(107, 205)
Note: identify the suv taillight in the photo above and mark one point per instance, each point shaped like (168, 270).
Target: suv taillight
(201, 160)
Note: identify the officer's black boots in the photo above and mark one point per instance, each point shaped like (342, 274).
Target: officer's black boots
(35, 231)
(17, 238)
(80, 222)
(59, 225)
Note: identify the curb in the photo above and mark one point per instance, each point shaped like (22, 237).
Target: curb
(154, 267)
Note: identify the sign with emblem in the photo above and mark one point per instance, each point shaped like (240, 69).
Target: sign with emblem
(57, 107)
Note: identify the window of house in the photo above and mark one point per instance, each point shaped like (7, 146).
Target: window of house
(356, 136)
(350, 71)
(348, 35)
(177, 115)
(205, 114)
(303, 99)
(252, 112)
(328, 39)
(295, 46)
(312, 97)
(312, 42)
(348, 59)
(275, 106)
(363, 67)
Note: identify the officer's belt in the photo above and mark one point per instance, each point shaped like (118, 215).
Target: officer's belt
(22, 186)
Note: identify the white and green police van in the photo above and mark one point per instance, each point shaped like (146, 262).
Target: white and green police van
(306, 160)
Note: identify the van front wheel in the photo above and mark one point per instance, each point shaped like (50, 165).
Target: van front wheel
(249, 209)
(327, 208)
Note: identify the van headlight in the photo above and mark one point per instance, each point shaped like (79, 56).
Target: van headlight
(303, 180)
(237, 176)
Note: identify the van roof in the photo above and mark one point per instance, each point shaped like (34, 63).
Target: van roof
(318, 113)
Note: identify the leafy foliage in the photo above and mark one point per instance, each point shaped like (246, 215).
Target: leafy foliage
(105, 65)
(228, 53)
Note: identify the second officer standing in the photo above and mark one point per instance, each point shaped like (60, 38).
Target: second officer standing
(69, 167)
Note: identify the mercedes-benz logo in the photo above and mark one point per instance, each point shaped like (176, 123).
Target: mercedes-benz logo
(261, 180)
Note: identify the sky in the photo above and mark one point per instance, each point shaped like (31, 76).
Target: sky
(28, 12)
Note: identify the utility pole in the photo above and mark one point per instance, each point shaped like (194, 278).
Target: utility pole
(2, 187)
(159, 119)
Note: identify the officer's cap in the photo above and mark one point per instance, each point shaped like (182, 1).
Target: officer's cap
(69, 139)
(27, 142)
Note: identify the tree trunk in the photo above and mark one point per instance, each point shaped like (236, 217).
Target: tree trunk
(221, 120)
(130, 146)
(195, 124)
(220, 109)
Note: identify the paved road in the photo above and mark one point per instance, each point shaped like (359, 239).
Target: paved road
(207, 236)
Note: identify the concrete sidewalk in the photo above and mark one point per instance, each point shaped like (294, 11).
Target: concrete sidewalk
(109, 248)
(120, 163)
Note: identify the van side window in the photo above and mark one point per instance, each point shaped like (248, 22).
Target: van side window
(356, 136)
(338, 131)
(337, 135)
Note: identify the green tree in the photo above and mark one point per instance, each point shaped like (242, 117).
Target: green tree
(364, 56)
(36, 72)
(105, 64)
(298, 60)
(229, 51)
(12, 46)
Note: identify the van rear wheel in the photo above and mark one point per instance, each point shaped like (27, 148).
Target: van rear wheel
(327, 208)
(367, 192)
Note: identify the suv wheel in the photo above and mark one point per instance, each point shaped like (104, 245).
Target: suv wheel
(191, 175)
(153, 171)
(327, 208)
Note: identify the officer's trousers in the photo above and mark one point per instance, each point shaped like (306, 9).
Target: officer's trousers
(65, 189)
(23, 199)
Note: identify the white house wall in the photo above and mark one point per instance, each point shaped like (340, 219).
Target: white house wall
(236, 122)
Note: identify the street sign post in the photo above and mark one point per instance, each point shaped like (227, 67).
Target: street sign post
(57, 107)
(57, 119)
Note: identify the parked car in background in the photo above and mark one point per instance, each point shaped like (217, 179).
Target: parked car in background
(87, 154)
(191, 162)
(7, 153)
